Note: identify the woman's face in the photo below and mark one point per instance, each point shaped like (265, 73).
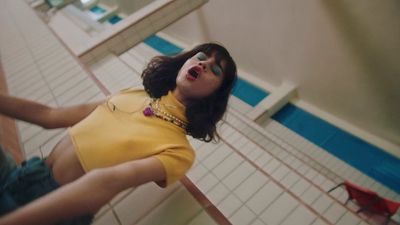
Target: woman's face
(199, 77)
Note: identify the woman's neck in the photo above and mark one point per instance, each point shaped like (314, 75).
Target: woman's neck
(180, 97)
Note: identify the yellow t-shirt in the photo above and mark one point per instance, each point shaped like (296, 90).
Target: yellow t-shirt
(118, 131)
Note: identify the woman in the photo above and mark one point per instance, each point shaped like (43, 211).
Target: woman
(132, 138)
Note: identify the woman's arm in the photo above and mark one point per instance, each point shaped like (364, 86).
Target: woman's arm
(87, 194)
(43, 115)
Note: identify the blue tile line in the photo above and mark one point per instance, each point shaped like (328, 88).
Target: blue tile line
(248, 93)
(243, 90)
(161, 45)
(367, 158)
(114, 19)
(97, 10)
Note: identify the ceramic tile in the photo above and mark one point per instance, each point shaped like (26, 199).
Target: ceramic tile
(48, 146)
(39, 139)
(320, 222)
(197, 172)
(238, 175)
(258, 222)
(217, 156)
(239, 143)
(227, 165)
(218, 193)
(311, 174)
(263, 159)
(290, 179)
(300, 216)
(250, 186)
(106, 219)
(141, 202)
(236, 136)
(280, 172)
(348, 218)
(122, 195)
(178, 208)
(247, 148)
(319, 180)
(271, 166)
(264, 197)
(67, 85)
(300, 187)
(207, 182)
(334, 213)
(322, 203)
(310, 195)
(242, 216)
(255, 154)
(29, 132)
(74, 91)
(206, 150)
(229, 205)
(279, 209)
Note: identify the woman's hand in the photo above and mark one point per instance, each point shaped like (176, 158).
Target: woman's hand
(43, 115)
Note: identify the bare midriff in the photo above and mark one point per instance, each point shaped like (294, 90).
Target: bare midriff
(64, 162)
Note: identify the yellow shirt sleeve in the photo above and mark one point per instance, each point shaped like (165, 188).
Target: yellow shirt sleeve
(176, 163)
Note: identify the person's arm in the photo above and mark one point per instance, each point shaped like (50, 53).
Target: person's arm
(43, 115)
(87, 194)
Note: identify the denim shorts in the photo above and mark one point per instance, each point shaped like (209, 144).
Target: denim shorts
(22, 184)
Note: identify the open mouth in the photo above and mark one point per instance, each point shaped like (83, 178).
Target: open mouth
(193, 73)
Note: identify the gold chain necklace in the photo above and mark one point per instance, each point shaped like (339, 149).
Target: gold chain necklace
(153, 109)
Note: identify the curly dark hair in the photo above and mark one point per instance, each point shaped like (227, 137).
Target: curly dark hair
(159, 77)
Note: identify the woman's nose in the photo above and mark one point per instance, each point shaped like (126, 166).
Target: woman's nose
(203, 66)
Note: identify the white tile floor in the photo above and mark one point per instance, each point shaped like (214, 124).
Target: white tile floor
(255, 175)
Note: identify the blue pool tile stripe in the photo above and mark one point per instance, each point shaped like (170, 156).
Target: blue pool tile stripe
(97, 10)
(114, 19)
(367, 158)
(248, 93)
(243, 90)
(161, 45)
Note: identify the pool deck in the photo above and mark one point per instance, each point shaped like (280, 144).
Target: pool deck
(254, 175)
